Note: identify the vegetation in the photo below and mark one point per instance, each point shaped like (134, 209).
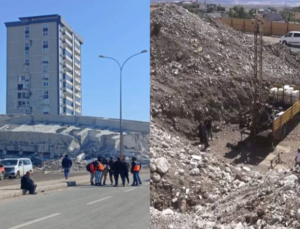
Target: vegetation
(240, 12)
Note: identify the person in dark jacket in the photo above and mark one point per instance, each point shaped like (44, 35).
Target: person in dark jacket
(110, 166)
(28, 184)
(135, 170)
(126, 170)
(200, 131)
(205, 138)
(209, 129)
(66, 164)
(119, 170)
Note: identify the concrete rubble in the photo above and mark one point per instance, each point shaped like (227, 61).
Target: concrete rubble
(82, 139)
(201, 68)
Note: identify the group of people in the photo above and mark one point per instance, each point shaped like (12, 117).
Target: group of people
(205, 132)
(100, 168)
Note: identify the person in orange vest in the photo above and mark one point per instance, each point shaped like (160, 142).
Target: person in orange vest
(99, 169)
(135, 170)
(91, 169)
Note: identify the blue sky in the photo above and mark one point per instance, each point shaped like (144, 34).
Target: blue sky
(113, 28)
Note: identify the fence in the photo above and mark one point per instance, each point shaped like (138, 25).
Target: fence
(269, 28)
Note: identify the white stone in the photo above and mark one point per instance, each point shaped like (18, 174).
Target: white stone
(195, 172)
(152, 167)
(181, 171)
(155, 177)
(168, 212)
(298, 214)
(162, 165)
(246, 169)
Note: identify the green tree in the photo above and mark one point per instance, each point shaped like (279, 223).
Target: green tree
(287, 15)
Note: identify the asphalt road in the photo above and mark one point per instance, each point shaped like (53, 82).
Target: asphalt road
(80, 207)
(38, 176)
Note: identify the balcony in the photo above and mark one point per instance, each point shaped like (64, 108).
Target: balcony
(78, 72)
(77, 65)
(77, 57)
(77, 50)
(69, 106)
(69, 74)
(77, 88)
(78, 80)
(77, 109)
(78, 103)
(68, 67)
(67, 34)
(78, 95)
(67, 42)
(66, 57)
(77, 42)
(68, 91)
(69, 50)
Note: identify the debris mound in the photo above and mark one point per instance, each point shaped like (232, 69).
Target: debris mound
(202, 68)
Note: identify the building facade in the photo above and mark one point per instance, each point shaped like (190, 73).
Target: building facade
(43, 67)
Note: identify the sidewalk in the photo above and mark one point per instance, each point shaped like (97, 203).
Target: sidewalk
(14, 190)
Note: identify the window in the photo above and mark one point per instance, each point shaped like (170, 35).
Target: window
(45, 67)
(45, 47)
(20, 87)
(45, 30)
(45, 59)
(26, 61)
(26, 85)
(27, 48)
(26, 32)
(46, 110)
(46, 76)
(289, 35)
(46, 95)
(46, 101)
(296, 34)
(26, 69)
(46, 84)
(26, 111)
(19, 95)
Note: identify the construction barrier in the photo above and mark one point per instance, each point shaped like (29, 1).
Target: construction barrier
(269, 28)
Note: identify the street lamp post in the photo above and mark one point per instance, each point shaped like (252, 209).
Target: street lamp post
(121, 70)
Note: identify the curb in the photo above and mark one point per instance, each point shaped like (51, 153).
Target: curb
(44, 188)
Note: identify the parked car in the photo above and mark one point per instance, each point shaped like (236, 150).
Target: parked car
(2, 171)
(17, 167)
(292, 38)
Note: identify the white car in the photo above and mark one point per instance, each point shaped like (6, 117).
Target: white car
(292, 38)
(17, 167)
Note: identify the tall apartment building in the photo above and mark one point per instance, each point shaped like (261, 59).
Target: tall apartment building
(43, 67)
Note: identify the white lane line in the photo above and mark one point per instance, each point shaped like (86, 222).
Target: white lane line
(96, 201)
(35, 221)
(128, 190)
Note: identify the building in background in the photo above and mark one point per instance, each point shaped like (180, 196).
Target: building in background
(43, 67)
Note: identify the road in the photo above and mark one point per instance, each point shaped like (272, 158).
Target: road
(80, 207)
(38, 176)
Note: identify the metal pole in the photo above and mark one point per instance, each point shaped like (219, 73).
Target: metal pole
(121, 129)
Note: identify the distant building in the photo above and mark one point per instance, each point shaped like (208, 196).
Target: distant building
(43, 67)
(272, 16)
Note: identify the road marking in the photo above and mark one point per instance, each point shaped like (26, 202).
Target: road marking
(128, 190)
(96, 201)
(35, 221)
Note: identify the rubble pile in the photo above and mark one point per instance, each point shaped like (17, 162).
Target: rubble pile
(55, 165)
(202, 68)
(193, 189)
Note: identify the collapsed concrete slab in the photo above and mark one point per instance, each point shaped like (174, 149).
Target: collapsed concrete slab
(53, 135)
